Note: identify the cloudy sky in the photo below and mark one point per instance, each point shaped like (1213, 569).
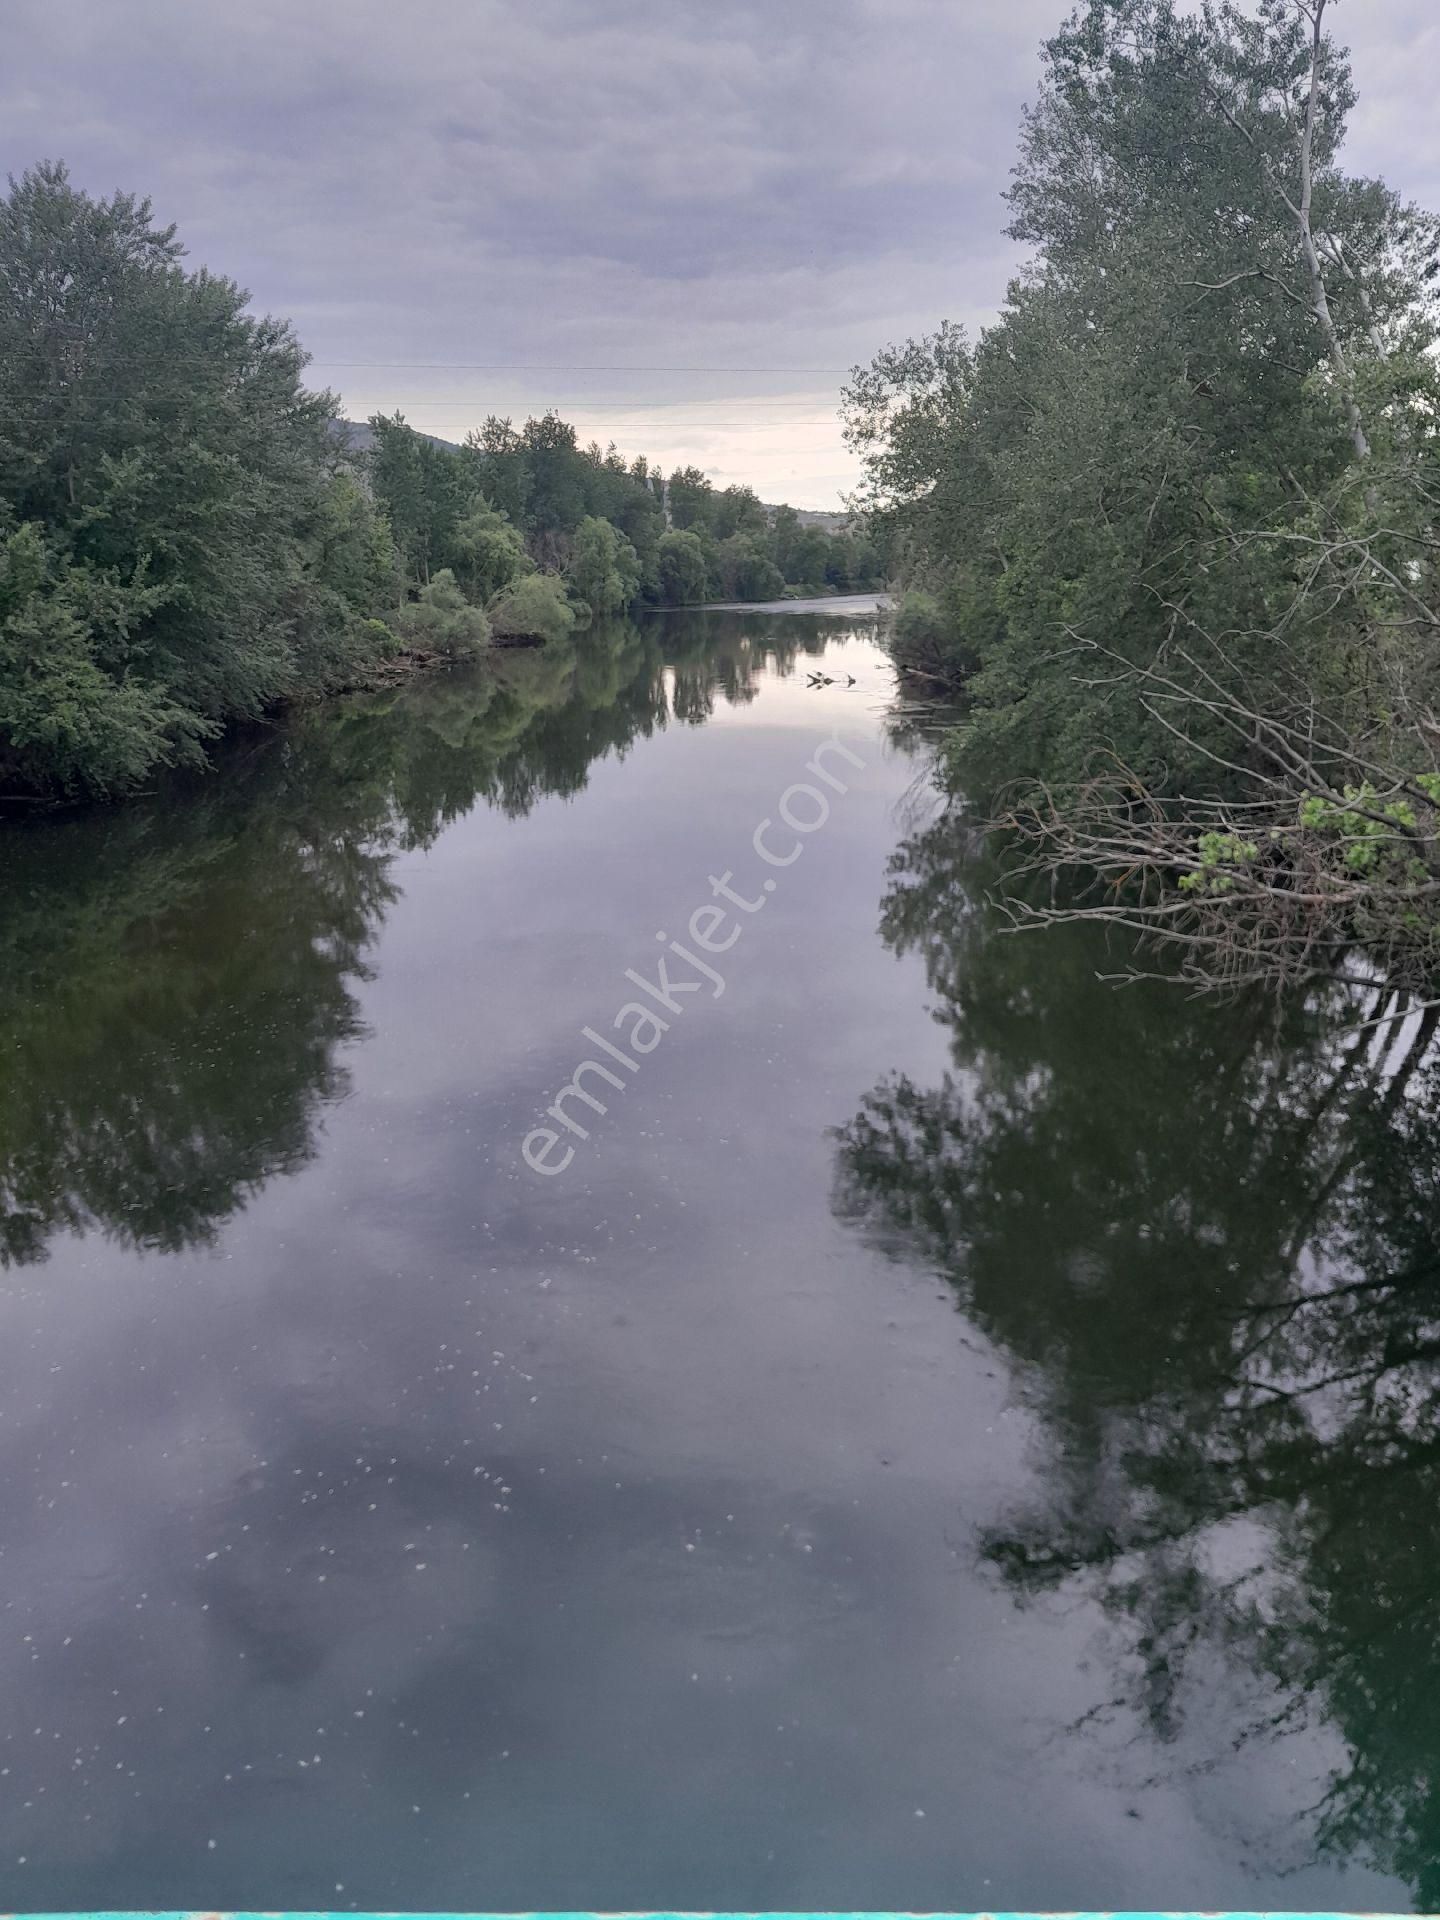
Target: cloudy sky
(678, 223)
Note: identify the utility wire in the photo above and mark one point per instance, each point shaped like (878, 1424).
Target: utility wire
(479, 366)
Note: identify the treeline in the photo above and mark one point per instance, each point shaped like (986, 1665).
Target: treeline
(516, 499)
(1171, 523)
(187, 536)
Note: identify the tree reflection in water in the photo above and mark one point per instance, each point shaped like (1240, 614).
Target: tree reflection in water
(176, 977)
(1207, 1239)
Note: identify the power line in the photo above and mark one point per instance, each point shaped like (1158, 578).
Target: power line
(626, 427)
(659, 426)
(476, 366)
(514, 366)
(613, 406)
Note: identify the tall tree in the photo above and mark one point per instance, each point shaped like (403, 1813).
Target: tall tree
(1176, 511)
(164, 476)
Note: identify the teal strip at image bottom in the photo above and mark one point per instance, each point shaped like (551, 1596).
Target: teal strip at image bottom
(353, 1914)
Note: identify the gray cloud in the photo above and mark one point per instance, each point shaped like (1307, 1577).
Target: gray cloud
(636, 185)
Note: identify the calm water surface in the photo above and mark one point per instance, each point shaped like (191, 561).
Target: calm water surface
(955, 1436)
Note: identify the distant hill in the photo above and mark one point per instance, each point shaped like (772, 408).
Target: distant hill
(813, 517)
(356, 437)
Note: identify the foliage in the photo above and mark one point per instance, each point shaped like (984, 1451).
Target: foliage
(680, 567)
(441, 620)
(1176, 510)
(923, 633)
(186, 539)
(179, 548)
(604, 567)
(583, 512)
(744, 570)
(534, 606)
(489, 551)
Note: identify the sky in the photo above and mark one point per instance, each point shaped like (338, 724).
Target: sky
(679, 224)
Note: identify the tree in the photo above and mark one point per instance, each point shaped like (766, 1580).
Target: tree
(744, 570)
(489, 551)
(692, 499)
(785, 530)
(557, 482)
(1177, 509)
(737, 510)
(426, 489)
(809, 556)
(680, 569)
(503, 466)
(441, 620)
(604, 567)
(163, 477)
(532, 607)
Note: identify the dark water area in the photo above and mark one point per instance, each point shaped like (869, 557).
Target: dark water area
(954, 1435)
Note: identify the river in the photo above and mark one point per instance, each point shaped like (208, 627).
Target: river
(949, 1434)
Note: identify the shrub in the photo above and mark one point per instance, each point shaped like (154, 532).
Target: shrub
(532, 608)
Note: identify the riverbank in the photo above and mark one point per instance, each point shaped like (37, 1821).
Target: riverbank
(858, 604)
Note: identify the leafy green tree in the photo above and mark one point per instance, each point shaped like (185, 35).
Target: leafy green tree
(604, 567)
(165, 472)
(737, 510)
(503, 468)
(809, 557)
(557, 477)
(426, 490)
(626, 497)
(692, 499)
(1176, 509)
(532, 607)
(65, 719)
(350, 552)
(680, 569)
(441, 620)
(489, 550)
(744, 570)
(785, 530)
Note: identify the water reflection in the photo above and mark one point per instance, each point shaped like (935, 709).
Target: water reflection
(1207, 1239)
(176, 977)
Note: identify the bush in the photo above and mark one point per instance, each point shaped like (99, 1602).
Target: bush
(926, 632)
(532, 608)
(443, 621)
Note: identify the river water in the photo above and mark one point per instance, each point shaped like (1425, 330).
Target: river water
(949, 1434)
